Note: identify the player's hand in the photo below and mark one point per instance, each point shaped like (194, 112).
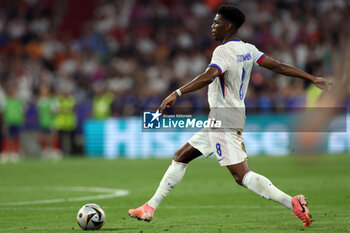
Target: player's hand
(170, 100)
(323, 83)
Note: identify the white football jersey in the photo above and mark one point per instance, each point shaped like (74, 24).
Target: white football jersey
(234, 60)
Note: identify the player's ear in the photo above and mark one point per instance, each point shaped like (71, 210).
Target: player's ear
(229, 26)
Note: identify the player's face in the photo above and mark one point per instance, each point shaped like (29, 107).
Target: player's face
(219, 28)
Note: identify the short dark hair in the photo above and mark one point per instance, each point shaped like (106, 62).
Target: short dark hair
(232, 14)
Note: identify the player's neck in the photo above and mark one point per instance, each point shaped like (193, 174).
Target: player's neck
(229, 37)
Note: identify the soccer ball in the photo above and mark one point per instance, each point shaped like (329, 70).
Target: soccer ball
(91, 217)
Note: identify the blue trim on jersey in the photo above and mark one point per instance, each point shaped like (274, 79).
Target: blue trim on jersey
(216, 66)
(240, 89)
(222, 84)
(261, 58)
(232, 40)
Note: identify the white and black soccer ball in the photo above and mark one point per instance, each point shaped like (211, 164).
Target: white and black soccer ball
(91, 217)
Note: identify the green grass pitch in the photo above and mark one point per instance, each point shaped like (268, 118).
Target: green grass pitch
(207, 200)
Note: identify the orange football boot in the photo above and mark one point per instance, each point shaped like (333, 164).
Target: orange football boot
(300, 209)
(144, 213)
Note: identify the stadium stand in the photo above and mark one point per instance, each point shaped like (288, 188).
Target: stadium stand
(157, 45)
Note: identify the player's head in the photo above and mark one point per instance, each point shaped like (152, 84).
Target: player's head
(232, 14)
(227, 20)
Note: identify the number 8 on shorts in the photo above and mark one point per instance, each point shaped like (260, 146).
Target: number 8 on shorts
(218, 149)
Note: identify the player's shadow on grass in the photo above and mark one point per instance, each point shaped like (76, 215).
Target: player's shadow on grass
(117, 229)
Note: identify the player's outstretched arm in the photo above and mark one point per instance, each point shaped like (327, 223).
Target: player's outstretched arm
(288, 70)
(199, 82)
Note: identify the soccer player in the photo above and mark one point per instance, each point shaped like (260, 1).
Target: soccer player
(227, 76)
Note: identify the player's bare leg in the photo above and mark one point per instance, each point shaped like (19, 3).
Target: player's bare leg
(171, 178)
(263, 187)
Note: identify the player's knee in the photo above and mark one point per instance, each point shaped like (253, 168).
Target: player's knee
(178, 156)
(186, 154)
(238, 179)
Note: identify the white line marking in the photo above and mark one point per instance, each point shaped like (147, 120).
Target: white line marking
(108, 193)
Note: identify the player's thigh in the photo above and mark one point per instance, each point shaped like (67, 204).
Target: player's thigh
(197, 145)
(186, 153)
(228, 147)
(201, 142)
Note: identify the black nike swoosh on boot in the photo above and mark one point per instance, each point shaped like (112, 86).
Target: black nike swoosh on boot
(301, 206)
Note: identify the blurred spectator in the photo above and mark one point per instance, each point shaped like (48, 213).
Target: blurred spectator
(46, 106)
(102, 102)
(66, 121)
(2, 104)
(14, 112)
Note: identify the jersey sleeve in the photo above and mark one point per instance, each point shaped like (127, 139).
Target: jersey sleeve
(257, 55)
(220, 59)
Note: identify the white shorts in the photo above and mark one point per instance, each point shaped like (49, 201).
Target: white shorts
(228, 146)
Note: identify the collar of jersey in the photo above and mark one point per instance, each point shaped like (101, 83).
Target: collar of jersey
(232, 40)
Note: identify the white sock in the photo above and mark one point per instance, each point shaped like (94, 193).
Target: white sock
(263, 187)
(170, 179)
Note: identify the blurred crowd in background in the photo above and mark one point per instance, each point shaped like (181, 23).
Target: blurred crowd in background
(62, 62)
